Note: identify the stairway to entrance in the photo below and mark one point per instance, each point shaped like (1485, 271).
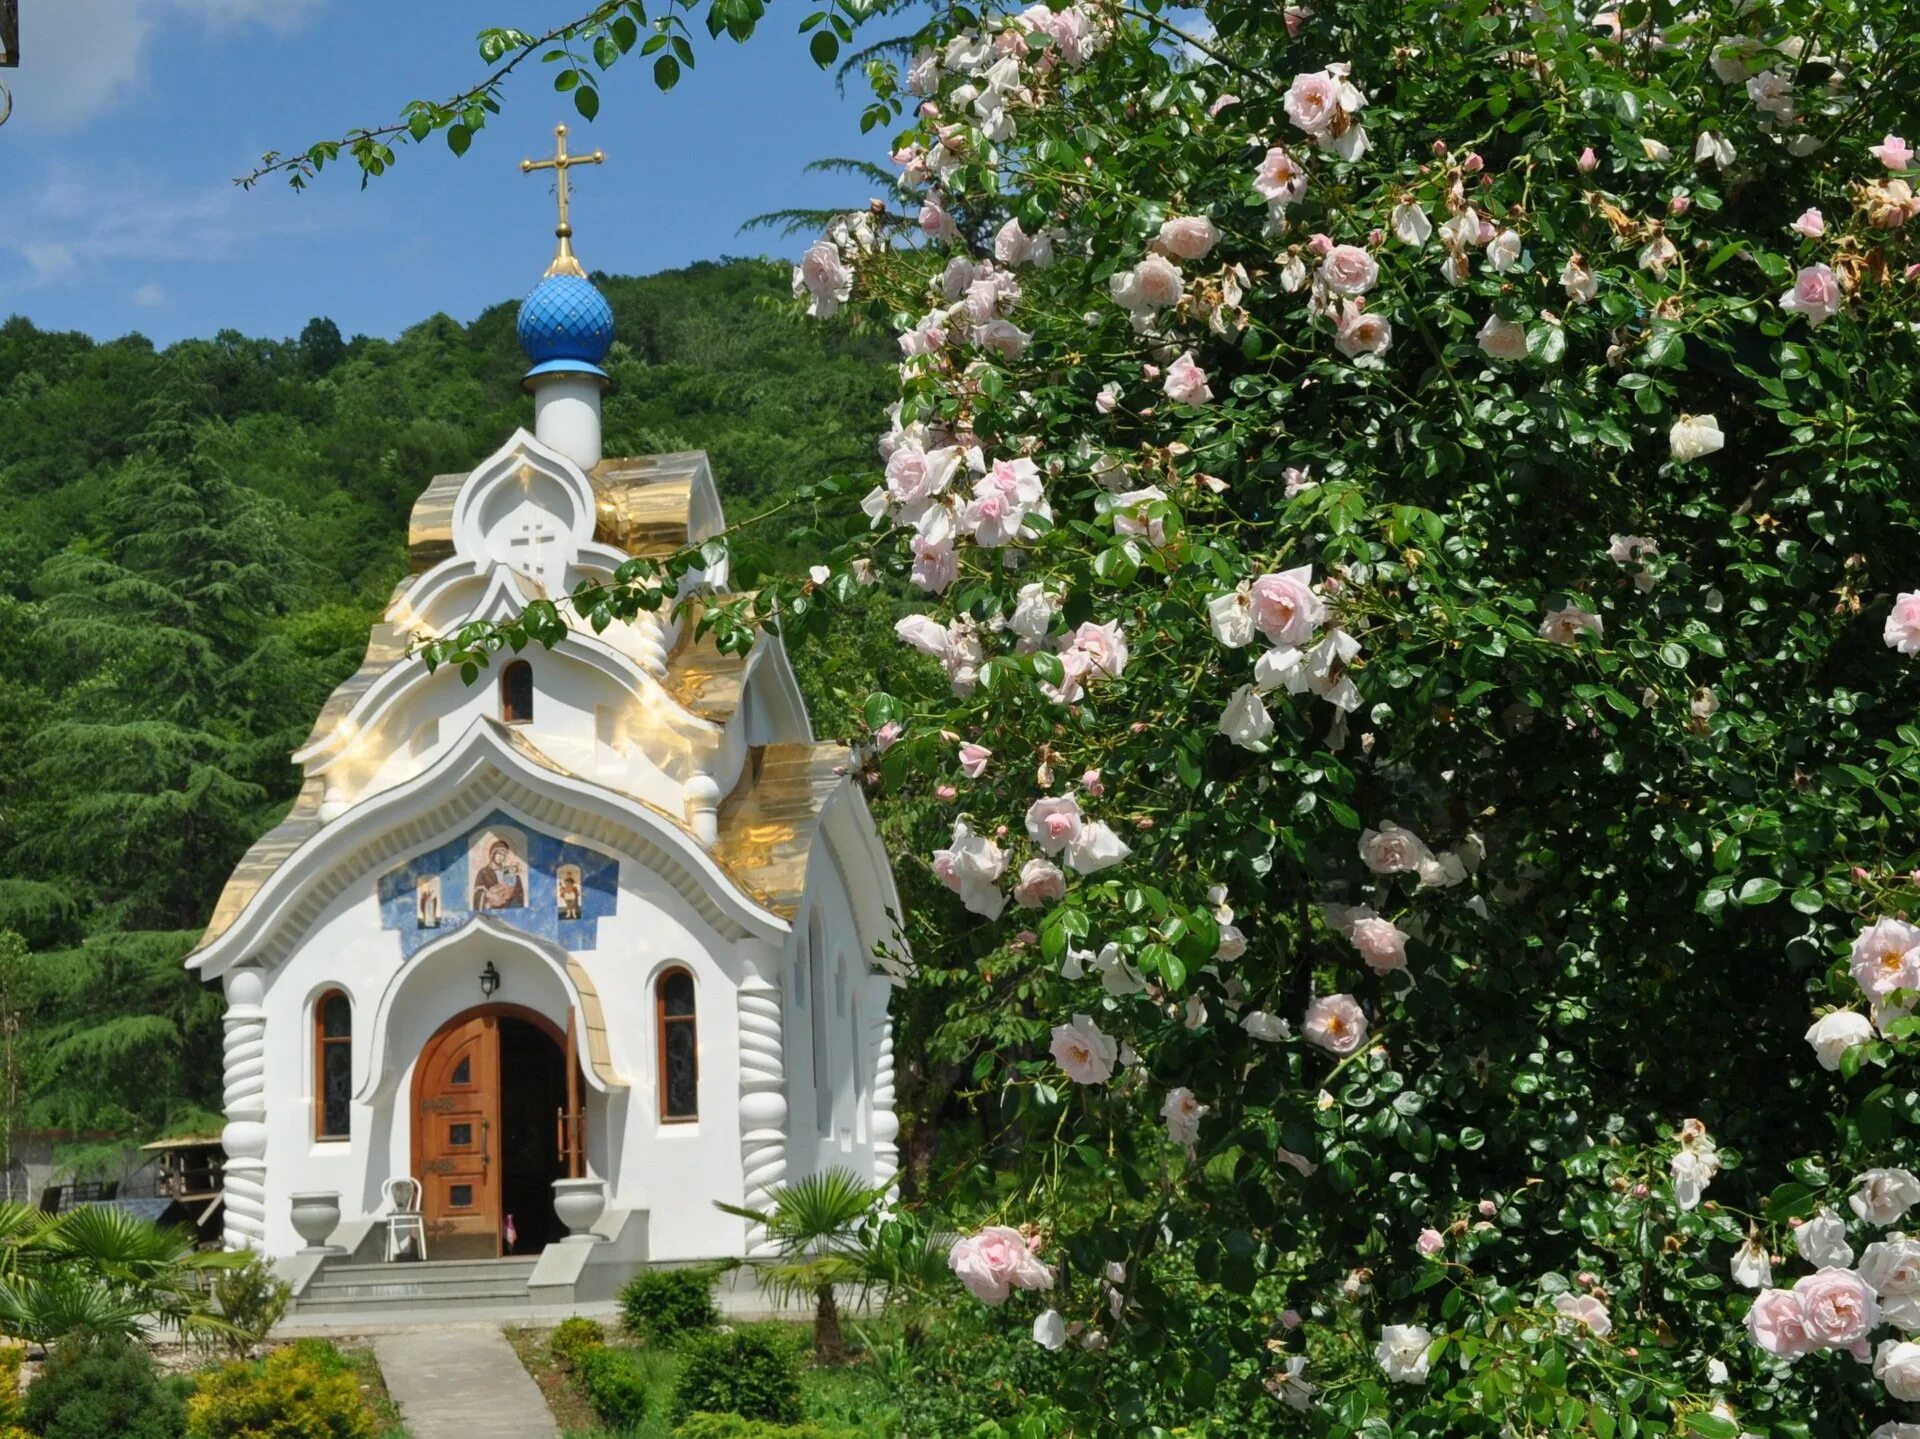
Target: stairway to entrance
(450, 1286)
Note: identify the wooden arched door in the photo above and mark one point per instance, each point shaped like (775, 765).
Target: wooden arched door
(456, 1138)
(491, 1100)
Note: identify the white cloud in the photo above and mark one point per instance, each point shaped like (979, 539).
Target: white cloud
(80, 58)
(83, 229)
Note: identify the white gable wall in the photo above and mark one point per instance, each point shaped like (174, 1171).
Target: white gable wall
(673, 1171)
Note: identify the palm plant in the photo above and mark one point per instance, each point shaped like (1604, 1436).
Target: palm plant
(100, 1272)
(816, 1227)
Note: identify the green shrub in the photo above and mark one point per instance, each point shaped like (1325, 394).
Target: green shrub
(752, 1372)
(11, 1358)
(252, 1300)
(615, 1385)
(570, 1341)
(663, 1304)
(102, 1389)
(306, 1392)
(732, 1426)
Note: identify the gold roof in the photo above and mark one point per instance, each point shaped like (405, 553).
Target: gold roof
(700, 675)
(643, 506)
(767, 824)
(264, 856)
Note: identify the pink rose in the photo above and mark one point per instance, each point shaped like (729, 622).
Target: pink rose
(935, 222)
(1313, 101)
(1430, 1242)
(1280, 178)
(1349, 270)
(1778, 1325)
(1091, 782)
(1159, 282)
(1585, 1309)
(973, 760)
(1564, 626)
(1284, 606)
(1083, 1052)
(1041, 883)
(1382, 944)
(1588, 161)
(1811, 223)
(1187, 382)
(1815, 294)
(1188, 236)
(1836, 1307)
(995, 1262)
(1360, 332)
(1903, 624)
(1886, 958)
(1221, 103)
(1893, 152)
(1393, 850)
(1501, 339)
(1335, 1023)
(1054, 823)
(945, 791)
(1102, 647)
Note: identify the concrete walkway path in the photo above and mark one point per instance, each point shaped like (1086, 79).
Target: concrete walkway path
(462, 1381)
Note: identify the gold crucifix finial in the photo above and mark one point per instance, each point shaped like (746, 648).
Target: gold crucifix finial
(563, 260)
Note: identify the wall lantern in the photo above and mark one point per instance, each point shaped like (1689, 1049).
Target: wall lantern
(489, 980)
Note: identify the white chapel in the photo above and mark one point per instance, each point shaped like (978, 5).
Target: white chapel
(582, 946)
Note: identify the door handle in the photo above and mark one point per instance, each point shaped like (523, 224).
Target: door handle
(486, 1148)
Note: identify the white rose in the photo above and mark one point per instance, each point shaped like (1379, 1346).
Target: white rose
(1246, 721)
(1695, 435)
(1049, 1329)
(1502, 339)
(1822, 1241)
(1884, 1196)
(1402, 1352)
(1832, 1035)
(1891, 1269)
(1266, 1027)
(1896, 1364)
(1751, 1267)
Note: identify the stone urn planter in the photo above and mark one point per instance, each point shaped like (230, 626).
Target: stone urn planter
(315, 1217)
(579, 1203)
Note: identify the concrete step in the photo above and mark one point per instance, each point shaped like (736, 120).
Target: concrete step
(518, 1268)
(416, 1290)
(449, 1284)
(373, 1307)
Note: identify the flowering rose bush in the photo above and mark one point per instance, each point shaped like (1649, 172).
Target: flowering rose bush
(1406, 511)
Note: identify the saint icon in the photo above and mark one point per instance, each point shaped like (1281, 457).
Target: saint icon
(566, 888)
(426, 900)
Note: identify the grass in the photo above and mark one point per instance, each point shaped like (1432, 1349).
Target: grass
(373, 1388)
(851, 1394)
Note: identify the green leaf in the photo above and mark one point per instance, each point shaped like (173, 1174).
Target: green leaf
(666, 72)
(587, 101)
(824, 47)
(1760, 891)
(459, 137)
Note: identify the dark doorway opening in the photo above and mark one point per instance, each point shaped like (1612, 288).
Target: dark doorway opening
(533, 1092)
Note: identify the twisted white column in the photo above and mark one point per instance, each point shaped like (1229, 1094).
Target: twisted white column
(763, 1101)
(245, 1137)
(886, 1124)
(650, 629)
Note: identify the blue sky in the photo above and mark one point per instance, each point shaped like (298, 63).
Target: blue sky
(131, 118)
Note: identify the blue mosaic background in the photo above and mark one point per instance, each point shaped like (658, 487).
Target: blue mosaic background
(599, 887)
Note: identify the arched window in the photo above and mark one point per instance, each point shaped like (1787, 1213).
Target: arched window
(332, 1065)
(516, 693)
(679, 1048)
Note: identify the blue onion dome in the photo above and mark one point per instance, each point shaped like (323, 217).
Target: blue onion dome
(566, 325)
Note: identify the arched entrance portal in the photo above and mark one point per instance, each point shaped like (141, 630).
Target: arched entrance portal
(488, 1095)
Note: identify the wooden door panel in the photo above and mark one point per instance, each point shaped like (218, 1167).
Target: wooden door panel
(457, 1140)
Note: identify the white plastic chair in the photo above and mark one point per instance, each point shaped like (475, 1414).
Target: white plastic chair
(406, 1227)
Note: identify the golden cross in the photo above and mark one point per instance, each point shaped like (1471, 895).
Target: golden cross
(563, 260)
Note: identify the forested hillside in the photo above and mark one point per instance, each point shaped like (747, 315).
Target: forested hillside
(193, 542)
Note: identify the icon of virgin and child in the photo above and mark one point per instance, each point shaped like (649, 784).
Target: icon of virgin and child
(502, 881)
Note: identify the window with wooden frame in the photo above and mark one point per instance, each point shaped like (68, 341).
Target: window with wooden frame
(516, 693)
(332, 1065)
(679, 1048)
